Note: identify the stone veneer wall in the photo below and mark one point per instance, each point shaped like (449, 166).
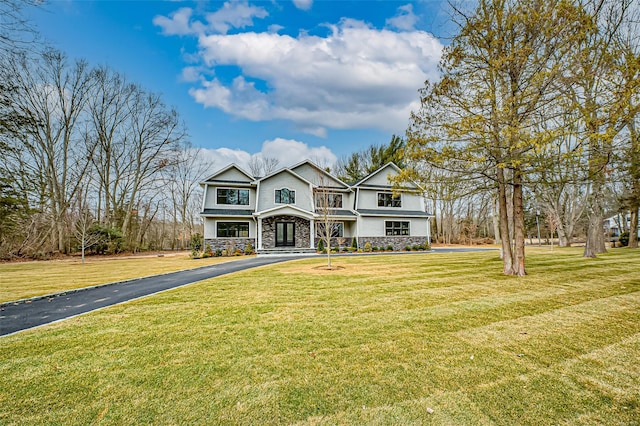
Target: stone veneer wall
(302, 237)
(398, 242)
(222, 243)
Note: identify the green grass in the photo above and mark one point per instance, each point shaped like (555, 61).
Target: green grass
(385, 340)
(28, 279)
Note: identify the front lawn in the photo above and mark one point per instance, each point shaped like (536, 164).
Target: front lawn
(20, 280)
(415, 339)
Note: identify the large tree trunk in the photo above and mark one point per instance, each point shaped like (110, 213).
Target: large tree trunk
(633, 228)
(518, 225)
(507, 258)
(595, 233)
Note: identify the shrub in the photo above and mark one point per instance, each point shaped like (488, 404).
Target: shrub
(374, 248)
(415, 247)
(321, 245)
(407, 248)
(196, 242)
(248, 249)
(390, 247)
(238, 252)
(624, 239)
(354, 243)
(207, 250)
(367, 247)
(218, 253)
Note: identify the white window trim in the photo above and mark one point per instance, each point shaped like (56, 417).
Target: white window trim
(215, 197)
(288, 189)
(395, 220)
(215, 230)
(388, 192)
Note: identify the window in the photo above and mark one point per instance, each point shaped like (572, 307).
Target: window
(233, 230)
(337, 230)
(387, 199)
(392, 227)
(332, 201)
(285, 196)
(233, 196)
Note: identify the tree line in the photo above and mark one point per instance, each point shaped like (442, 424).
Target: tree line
(90, 160)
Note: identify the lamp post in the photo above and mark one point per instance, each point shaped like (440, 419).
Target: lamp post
(538, 225)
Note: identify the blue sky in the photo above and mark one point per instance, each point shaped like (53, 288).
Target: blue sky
(285, 79)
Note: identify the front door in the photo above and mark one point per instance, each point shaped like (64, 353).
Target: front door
(285, 234)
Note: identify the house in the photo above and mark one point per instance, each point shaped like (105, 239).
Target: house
(285, 211)
(615, 225)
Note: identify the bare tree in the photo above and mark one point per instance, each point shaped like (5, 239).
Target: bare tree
(326, 200)
(182, 179)
(52, 94)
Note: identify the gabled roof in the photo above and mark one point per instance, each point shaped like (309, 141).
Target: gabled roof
(321, 171)
(390, 165)
(230, 168)
(274, 210)
(283, 170)
(375, 173)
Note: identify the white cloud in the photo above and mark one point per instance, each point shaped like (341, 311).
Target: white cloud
(303, 4)
(354, 77)
(405, 20)
(232, 14)
(287, 151)
(177, 23)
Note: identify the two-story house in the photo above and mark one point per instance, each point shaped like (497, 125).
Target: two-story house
(285, 210)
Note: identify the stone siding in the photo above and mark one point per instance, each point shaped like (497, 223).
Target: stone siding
(398, 242)
(229, 243)
(302, 236)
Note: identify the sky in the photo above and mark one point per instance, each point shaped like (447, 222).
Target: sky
(294, 80)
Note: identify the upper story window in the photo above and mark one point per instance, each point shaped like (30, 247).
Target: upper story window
(387, 199)
(285, 196)
(233, 196)
(330, 200)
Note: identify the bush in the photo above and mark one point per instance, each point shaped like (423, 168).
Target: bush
(196, 242)
(407, 248)
(248, 249)
(321, 245)
(623, 239)
(367, 247)
(207, 250)
(390, 247)
(374, 248)
(354, 243)
(218, 253)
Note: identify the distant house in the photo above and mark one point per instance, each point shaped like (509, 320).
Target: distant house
(281, 212)
(617, 224)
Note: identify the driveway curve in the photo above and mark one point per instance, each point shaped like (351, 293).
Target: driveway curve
(23, 315)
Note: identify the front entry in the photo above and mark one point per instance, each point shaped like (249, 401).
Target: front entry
(285, 234)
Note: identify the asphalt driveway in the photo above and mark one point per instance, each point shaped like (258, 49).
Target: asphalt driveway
(20, 316)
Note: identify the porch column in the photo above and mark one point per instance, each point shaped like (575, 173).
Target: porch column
(259, 236)
(312, 234)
